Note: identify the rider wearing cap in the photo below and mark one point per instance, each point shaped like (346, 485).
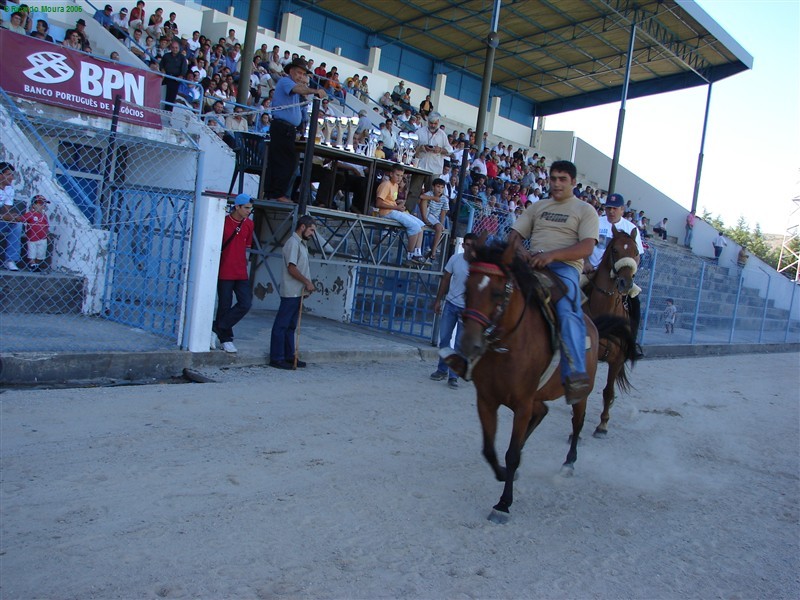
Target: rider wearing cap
(615, 207)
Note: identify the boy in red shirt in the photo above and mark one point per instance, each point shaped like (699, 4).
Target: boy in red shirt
(36, 229)
(237, 237)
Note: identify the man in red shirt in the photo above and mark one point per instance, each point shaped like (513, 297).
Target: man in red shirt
(237, 237)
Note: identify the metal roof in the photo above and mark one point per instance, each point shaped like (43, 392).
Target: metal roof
(561, 54)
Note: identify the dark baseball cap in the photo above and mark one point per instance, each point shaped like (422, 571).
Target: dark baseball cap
(615, 201)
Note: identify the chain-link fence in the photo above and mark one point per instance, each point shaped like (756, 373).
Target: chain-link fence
(690, 300)
(111, 238)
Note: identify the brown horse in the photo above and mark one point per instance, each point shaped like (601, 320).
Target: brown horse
(506, 348)
(608, 295)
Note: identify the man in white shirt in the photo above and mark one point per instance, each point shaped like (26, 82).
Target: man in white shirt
(120, 21)
(432, 150)
(194, 43)
(449, 304)
(10, 225)
(389, 139)
(615, 207)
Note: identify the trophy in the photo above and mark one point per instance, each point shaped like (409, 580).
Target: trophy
(351, 132)
(341, 128)
(327, 129)
(320, 126)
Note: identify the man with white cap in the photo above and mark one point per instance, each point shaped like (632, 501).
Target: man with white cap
(237, 237)
(615, 207)
(120, 20)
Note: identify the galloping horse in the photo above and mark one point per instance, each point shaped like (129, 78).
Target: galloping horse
(608, 295)
(507, 345)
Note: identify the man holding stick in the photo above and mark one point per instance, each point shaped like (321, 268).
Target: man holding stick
(295, 284)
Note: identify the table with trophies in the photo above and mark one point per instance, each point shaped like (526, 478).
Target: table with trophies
(340, 156)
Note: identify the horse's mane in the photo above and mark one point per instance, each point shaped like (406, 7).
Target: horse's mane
(520, 269)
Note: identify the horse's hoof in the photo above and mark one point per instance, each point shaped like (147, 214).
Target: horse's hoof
(567, 470)
(456, 362)
(600, 433)
(498, 517)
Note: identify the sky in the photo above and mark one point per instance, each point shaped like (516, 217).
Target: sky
(751, 164)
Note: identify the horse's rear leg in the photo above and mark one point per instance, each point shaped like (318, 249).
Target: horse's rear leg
(539, 413)
(488, 418)
(608, 398)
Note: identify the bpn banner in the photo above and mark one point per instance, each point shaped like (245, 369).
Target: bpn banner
(51, 74)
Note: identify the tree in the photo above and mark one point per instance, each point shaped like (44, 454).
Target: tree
(741, 233)
(712, 220)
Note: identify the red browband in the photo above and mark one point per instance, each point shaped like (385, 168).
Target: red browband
(486, 269)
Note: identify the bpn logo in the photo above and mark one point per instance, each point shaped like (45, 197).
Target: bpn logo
(48, 67)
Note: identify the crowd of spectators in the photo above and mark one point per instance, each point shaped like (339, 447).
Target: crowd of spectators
(501, 180)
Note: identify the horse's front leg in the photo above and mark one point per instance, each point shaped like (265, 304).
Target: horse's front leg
(578, 417)
(608, 398)
(522, 420)
(488, 417)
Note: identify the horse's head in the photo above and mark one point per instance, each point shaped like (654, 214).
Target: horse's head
(620, 258)
(489, 289)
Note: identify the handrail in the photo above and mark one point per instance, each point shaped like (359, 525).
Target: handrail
(21, 118)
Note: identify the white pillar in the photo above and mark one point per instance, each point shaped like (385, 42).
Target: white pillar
(437, 93)
(207, 224)
(374, 64)
(290, 29)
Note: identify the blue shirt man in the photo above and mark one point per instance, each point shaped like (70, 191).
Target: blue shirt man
(286, 117)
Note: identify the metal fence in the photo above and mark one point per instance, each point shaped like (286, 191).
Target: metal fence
(715, 304)
(119, 210)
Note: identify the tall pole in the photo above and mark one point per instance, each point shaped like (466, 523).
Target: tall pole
(700, 156)
(248, 51)
(612, 180)
(492, 41)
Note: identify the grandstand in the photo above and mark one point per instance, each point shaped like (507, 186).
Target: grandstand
(133, 229)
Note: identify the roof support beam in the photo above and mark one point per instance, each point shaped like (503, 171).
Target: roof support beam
(612, 180)
(650, 26)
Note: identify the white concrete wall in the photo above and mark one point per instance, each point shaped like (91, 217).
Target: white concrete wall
(77, 246)
(335, 285)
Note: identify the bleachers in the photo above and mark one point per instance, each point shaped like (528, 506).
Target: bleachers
(708, 296)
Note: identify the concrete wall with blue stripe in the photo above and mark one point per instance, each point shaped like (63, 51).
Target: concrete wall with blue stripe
(333, 34)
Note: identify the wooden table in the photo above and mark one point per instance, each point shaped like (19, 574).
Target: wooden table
(370, 163)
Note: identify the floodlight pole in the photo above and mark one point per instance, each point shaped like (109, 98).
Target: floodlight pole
(612, 180)
(701, 155)
(248, 51)
(492, 42)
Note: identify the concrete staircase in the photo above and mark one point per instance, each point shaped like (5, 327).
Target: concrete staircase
(40, 293)
(677, 276)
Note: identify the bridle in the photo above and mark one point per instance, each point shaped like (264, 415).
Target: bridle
(617, 264)
(492, 333)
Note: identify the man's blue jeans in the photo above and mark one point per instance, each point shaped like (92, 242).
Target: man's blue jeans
(228, 316)
(282, 340)
(570, 318)
(687, 239)
(450, 320)
(11, 233)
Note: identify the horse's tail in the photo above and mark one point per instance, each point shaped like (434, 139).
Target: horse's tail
(617, 330)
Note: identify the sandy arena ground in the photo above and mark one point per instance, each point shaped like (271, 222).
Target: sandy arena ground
(366, 481)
